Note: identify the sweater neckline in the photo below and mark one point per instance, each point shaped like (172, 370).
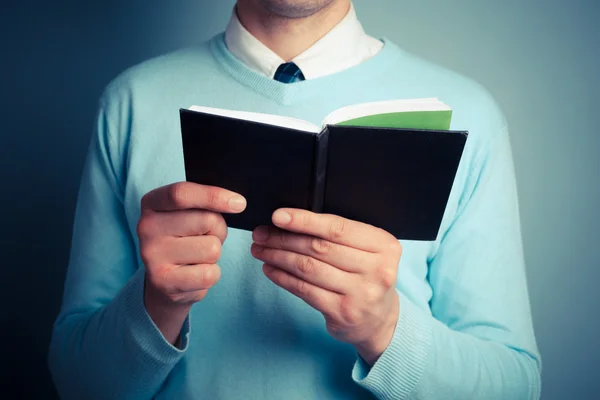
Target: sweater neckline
(287, 94)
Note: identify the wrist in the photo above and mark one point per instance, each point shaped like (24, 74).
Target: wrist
(167, 316)
(371, 349)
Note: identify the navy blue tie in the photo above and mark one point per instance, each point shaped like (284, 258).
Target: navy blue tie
(288, 73)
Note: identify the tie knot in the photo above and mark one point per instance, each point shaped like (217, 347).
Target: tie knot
(288, 73)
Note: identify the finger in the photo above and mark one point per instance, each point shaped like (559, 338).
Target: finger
(318, 298)
(307, 268)
(192, 278)
(343, 257)
(182, 223)
(331, 227)
(191, 250)
(189, 195)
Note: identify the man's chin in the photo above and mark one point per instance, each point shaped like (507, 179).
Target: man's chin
(295, 8)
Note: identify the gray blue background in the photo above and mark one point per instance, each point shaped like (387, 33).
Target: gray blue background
(539, 58)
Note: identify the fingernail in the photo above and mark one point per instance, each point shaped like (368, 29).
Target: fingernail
(281, 217)
(261, 234)
(237, 203)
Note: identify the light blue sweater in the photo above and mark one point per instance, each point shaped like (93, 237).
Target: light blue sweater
(465, 329)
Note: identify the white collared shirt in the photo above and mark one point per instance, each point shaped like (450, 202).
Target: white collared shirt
(345, 46)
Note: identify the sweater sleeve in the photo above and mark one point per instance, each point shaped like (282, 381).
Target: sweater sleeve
(476, 339)
(104, 344)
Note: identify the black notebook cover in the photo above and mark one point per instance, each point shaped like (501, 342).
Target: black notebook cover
(396, 179)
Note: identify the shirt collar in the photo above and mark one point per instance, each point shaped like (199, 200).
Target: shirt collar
(344, 46)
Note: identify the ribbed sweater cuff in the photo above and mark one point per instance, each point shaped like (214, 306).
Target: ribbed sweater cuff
(142, 331)
(399, 369)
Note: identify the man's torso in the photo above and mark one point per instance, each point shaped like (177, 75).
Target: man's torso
(249, 336)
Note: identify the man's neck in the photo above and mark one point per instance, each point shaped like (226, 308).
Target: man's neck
(289, 37)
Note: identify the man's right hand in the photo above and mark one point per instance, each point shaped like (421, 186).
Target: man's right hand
(181, 231)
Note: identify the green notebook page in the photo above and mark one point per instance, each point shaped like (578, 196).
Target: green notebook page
(436, 120)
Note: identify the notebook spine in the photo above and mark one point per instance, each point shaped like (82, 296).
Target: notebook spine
(320, 171)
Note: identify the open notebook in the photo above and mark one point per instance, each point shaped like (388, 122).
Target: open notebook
(390, 164)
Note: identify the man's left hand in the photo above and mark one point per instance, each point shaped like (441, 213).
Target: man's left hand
(345, 269)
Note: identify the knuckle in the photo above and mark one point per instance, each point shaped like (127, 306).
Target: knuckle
(209, 220)
(215, 274)
(205, 276)
(371, 293)
(202, 276)
(348, 312)
(225, 232)
(178, 194)
(148, 253)
(212, 252)
(209, 275)
(335, 329)
(283, 240)
(213, 197)
(303, 287)
(396, 247)
(337, 228)
(306, 265)
(144, 226)
(320, 246)
(305, 222)
(145, 200)
(388, 277)
(215, 223)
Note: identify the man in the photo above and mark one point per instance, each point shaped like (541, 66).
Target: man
(317, 307)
